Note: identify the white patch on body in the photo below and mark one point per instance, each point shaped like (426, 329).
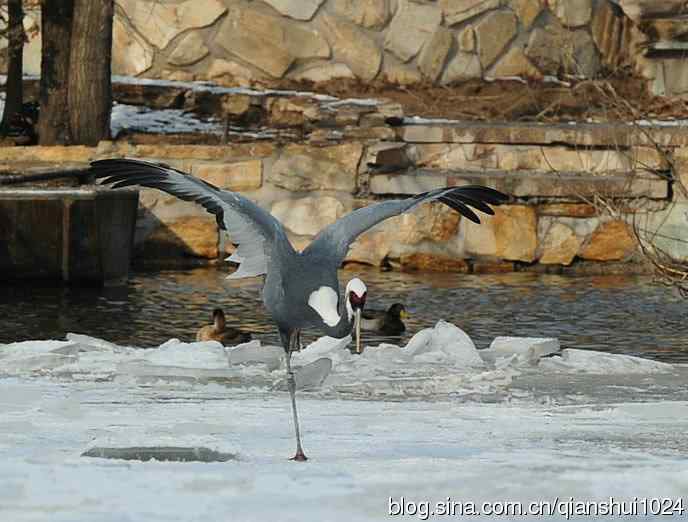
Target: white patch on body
(324, 301)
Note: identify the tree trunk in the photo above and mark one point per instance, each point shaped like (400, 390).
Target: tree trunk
(90, 90)
(56, 27)
(14, 94)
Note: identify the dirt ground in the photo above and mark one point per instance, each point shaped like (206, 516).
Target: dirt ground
(512, 100)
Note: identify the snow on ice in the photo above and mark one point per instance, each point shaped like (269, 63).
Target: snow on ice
(522, 421)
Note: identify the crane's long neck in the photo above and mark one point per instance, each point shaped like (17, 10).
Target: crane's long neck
(346, 321)
(337, 313)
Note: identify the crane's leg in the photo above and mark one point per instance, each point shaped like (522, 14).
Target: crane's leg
(291, 385)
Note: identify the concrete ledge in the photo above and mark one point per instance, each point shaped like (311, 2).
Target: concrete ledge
(581, 134)
(526, 183)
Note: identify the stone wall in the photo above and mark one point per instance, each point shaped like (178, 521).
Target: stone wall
(578, 191)
(242, 42)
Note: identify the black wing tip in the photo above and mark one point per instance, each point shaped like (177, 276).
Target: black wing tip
(461, 199)
(488, 194)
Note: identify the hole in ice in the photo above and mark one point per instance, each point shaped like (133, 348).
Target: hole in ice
(161, 453)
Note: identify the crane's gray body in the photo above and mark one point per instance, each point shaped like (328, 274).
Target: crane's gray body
(291, 277)
(290, 280)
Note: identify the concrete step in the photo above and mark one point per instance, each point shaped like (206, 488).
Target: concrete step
(524, 183)
(649, 134)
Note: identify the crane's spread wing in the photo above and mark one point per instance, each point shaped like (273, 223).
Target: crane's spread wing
(337, 237)
(248, 225)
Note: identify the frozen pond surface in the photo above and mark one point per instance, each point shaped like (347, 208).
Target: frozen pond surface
(427, 421)
(427, 417)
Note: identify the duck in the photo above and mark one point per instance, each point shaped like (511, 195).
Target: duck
(387, 322)
(219, 331)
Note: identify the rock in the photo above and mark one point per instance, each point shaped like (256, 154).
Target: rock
(675, 78)
(298, 9)
(367, 13)
(308, 216)
(671, 31)
(578, 210)
(370, 248)
(433, 263)
(304, 42)
(474, 156)
(543, 49)
(303, 168)
(353, 47)
(237, 151)
(431, 222)
(492, 267)
(636, 10)
(461, 67)
(398, 73)
(131, 55)
(434, 223)
(562, 159)
(73, 154)
(230, 73)
(493, 33)
(434, 53)
(394, 184)
(510, 234)
(612, 34)
(560, 245)
(571, 13)
(586, 60)
(177, 75)
(666, 230)
(258, 44)
(611, 241)
(289, 112)
(526, 10)
(190, 49)
(191, 236)
(457, 11)
(515, 63)
(236, 105)
(161, 22)
(238, 176)
(467, 40)
(268, 42)
(554, 49)
(323, 72)
(411, 26)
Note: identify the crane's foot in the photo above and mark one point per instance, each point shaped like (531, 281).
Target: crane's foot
(299, 457)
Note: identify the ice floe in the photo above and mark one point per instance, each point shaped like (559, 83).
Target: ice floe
(439, 361)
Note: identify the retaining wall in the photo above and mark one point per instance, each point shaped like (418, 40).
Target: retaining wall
(580, 192)
(242, 42)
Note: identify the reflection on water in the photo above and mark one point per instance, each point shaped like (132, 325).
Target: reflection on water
(622, 314)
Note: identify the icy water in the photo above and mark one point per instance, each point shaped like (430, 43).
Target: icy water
(619, 314)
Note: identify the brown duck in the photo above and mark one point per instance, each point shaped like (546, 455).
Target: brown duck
(219, 331)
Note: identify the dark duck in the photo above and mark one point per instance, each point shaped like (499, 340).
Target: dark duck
(385, 322)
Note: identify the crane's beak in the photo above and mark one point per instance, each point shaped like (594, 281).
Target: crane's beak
(357, 324)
